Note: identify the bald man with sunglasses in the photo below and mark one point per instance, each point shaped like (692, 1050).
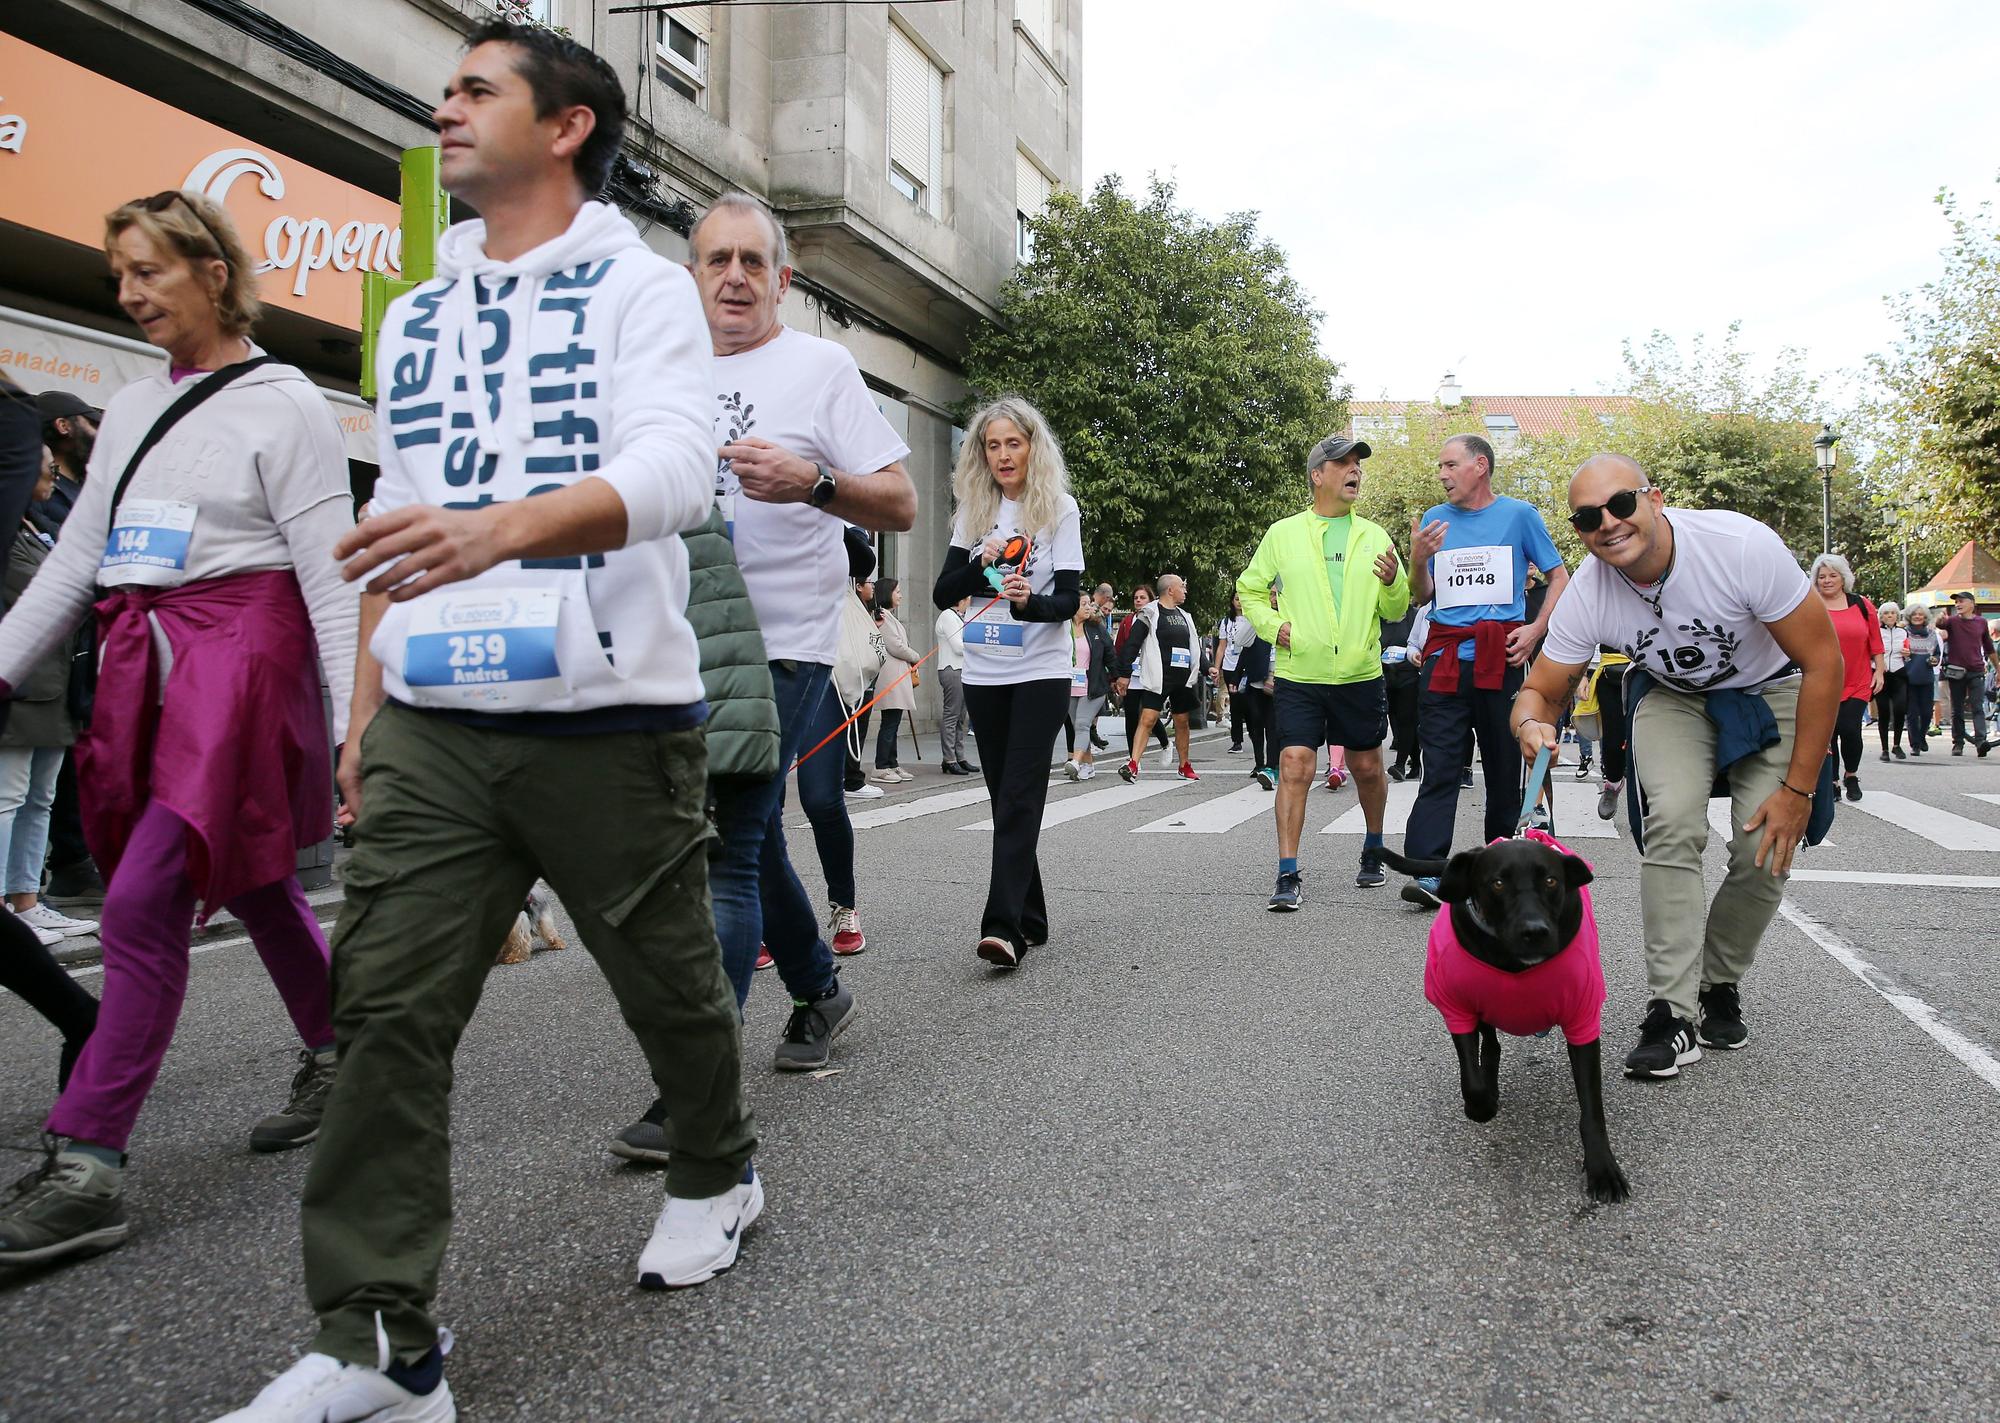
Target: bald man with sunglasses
(1735, 675)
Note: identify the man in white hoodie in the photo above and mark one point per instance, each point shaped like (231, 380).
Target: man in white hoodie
(530, 701)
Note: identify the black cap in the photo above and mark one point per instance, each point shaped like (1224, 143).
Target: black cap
(1336, 447)
(60, 404)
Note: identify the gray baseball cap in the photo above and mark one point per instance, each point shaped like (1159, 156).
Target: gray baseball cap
(1336, 447)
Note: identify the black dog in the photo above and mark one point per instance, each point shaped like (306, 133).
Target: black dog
(1515, 904)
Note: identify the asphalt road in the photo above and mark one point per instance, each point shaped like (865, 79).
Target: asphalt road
(1192, 1161)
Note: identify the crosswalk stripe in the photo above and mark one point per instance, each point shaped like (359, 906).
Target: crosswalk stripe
(1395, 815)
(911, 809)
(1214, 817)
(1899, 878)
(1981, 795)
(1940, 827)
(1061, 812)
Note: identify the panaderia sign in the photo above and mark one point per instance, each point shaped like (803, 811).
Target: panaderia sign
(74, 145)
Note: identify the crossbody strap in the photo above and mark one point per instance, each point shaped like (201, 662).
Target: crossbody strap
(173, 415)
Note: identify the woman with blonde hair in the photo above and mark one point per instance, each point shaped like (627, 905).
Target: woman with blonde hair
(205, 533)
(1017, 552)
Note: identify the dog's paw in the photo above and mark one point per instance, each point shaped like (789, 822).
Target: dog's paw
(1483, 1109)
(1605, 1181)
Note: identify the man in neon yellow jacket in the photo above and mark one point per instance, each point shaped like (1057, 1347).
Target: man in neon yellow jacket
(1337, 577)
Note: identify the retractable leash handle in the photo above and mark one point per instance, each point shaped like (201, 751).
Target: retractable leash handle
(1536, 777)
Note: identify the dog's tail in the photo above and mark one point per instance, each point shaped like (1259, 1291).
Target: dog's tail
(1412, 868)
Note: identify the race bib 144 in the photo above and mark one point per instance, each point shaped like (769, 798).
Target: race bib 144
(149, 542)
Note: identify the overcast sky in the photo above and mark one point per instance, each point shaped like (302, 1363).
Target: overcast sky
(1511, 190)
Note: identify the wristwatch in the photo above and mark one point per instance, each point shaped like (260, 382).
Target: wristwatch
(824, 487)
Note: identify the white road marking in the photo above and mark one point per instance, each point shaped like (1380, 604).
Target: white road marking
(1352, 821)
(1940, 827)
(1986, 882)
(911, 809)
(235, 943)
(1983, 1064)
(1981, 795)
(1077, 806)
(1214, 817)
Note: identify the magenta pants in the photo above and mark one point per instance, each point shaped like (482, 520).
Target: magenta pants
(148, 912)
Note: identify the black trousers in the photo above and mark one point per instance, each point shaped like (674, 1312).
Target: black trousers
(1847, 732)
(1611, 719)
(1255, 704)
(1401, 683)
(1923, 697)
(1892, 703)
(1448, 725)
(66, 844)
(1968, 699)
(29, 970)
(1014, 726)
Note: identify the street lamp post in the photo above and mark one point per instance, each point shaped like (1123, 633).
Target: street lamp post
(1890, 520)
(1823, 452)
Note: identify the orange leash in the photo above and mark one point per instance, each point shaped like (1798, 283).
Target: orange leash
(1014, 554)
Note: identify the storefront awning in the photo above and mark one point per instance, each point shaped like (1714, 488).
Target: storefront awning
(41, 353)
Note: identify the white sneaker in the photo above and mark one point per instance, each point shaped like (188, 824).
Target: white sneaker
(696, 1240)
(865, 793)
(1072, 770)
(887, 775)
(1167, 761)
(1085, 770)
(61, 925)
(48, 938)
(320, 1387)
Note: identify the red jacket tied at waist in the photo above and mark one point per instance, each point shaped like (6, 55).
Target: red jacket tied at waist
(237, 747)
(1489, 655)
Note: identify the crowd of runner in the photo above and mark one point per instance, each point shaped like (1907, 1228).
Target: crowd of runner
(610, 556)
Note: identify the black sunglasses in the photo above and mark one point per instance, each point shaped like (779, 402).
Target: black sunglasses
(1590, 517)
(161, 201)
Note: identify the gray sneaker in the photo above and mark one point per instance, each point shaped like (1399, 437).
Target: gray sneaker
(298, 1123)
(649, 1141)
(69, 1205)
(1607, 799)
(809, 1034)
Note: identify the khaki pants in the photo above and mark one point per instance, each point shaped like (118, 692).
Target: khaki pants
(1691, 944)
(456, 823)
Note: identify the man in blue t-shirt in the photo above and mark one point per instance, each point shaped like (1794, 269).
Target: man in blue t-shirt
(1472, 553)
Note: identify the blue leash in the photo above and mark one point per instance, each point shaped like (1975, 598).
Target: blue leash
(1536, 777)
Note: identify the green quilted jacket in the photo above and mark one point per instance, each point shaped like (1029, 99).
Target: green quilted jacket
(735, 676)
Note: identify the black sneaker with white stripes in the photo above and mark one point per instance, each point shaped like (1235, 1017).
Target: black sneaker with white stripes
(1722, 1018)
(1666, 1043)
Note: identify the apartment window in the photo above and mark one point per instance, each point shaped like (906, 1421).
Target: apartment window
(1038, 18)
(680, 52)
(1031, 194)
(534, 12)
(916, 124)
(1504, 431)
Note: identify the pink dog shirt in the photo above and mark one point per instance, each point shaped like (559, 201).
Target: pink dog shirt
(1567, 991)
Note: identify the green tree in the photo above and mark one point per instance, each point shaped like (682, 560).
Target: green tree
(1177, 360)
(1934, 421)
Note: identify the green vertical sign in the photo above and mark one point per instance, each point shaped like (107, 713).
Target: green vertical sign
(426, 214)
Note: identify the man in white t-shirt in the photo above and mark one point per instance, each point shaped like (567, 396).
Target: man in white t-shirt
(1735, 674)
(950, 632)
(802, 450)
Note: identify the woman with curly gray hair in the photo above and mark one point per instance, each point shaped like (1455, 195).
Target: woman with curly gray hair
(1017, 535)
(1860, 633)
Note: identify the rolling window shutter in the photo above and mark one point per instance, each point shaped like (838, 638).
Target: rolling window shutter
(910, 76)
(1031, 186)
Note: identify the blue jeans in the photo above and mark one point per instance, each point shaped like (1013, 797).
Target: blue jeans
(757, 895)
(27, 790)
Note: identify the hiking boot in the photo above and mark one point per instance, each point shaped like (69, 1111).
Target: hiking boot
(1722, 1018)
(648, 1140)
(1370, 874)
(1288, 894)
(810, 1031)
(299, 1122)
(1666, 1043)
(71, 1204)
(1422, 892)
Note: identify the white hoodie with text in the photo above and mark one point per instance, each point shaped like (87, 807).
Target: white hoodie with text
(591, 357)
